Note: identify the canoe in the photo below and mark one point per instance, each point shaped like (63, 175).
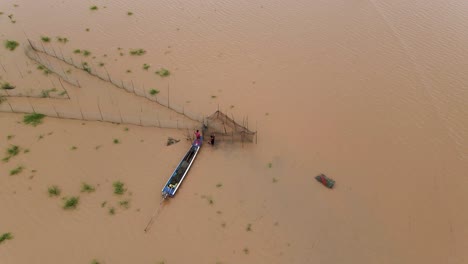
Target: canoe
(177, 177)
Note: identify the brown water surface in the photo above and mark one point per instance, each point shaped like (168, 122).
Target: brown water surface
(372, 93)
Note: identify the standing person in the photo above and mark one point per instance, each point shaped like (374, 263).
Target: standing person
(212, 139)
(197, 135)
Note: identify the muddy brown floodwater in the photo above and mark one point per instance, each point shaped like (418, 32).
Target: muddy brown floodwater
(371, 93)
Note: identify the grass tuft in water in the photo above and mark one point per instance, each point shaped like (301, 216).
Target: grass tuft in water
(93, 8)
(71, 203)
(129, 13)
(87, 188)
(119, 187)
(125, 204)
(54, 191)
(137, 52)
(62, 40)
(116, 141)
(94, 261)
(16, 170)
(7, 86)
(163, 72)
(248, 228)
(6, 236)
(77, 51)
(11, 44)
(86, 53)
(112, 211)
(13, 150)
(153, 92)
(33, 119)
(45, 39)
(146, 66)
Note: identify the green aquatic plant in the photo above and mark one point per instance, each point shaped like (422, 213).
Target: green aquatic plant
(129, 13)
(125, 204)
(153, 92)
(54, 191)
(137, 52)
(93, 8)
(86, 53)
(16, 170)
(33, 119)
(146, 66)
(71, 203)
(87, 188)
(119, 187)
(11, 44)
(45, 39)
(62, 40)
(163, 72)
(7, 86)
(116, 141)
(5, 236)
(77, 51)
(13, 150)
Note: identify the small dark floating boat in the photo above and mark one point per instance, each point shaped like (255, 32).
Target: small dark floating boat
(182, 169)
(326, 181)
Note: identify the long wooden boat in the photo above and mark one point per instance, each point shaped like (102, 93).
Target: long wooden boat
(174, 182)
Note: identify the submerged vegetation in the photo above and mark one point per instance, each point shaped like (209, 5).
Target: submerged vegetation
(163, 72)
(153, 92)
(46, 93)
(112, 211)
(11, 152)
(87, 188)
(7, 86)
(16, 170)
(93, 8)
(43, 68)
(62, 40)
(5, 236)
(125, 204)
(33, 119)
(45, 39)
(71, 203)
(119, 187)
(137, 52)
(146, 66)
(11, 44)
(54, 191)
